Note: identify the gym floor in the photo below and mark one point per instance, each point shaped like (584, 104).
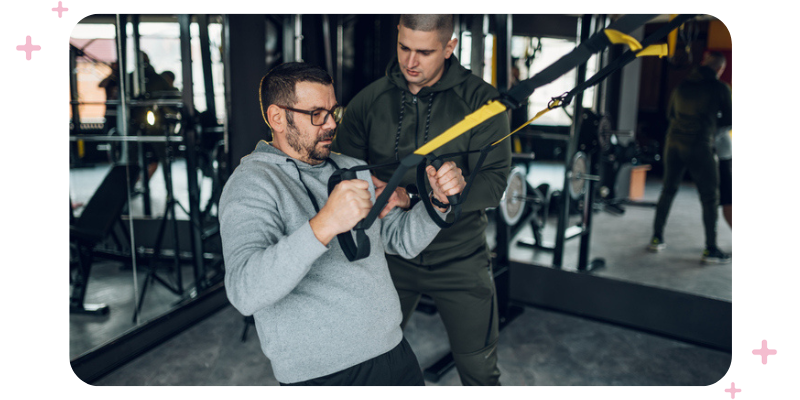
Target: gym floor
(540, 347)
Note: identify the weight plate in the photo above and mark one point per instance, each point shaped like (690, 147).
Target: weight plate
(512, 204)
(579, 168)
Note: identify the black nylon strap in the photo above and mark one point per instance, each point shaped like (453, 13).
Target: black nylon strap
(581, 54)
(626, 58)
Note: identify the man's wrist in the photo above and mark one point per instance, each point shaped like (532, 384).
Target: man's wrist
(438, 204)
(320, 231)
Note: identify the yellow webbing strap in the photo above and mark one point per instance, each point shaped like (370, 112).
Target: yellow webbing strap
(617, 37)
(491, 109)
(659, 50)
(539, 114)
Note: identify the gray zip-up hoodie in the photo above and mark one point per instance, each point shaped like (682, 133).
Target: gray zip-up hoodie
(316, 313)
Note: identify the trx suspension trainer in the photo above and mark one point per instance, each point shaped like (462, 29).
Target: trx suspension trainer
(616, 33)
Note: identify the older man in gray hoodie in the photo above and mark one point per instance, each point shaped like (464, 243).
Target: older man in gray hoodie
(321, 319)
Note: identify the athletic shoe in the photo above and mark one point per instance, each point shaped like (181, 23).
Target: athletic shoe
(715, 256)
(656, 244)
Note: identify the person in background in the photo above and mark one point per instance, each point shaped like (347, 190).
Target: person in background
(697, 108)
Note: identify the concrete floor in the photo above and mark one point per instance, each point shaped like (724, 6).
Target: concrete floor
(538, 348)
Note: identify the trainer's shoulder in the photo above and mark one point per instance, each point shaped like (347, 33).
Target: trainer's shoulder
(476, 92)
(372, 91)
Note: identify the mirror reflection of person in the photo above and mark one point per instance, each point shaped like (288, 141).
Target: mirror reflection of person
(698, 106)
(426, 91)
(169, 76)
(155, 87)
(171, 91)
(110, 84)
(321, 319)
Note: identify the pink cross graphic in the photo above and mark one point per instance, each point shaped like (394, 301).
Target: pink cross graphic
(733, 390)
(60, 9)
(28, 48)
(764, 352)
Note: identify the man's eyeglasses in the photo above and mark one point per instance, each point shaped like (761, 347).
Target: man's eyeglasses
(320, 116)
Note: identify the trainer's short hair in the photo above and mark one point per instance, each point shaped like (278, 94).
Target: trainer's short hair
(442, 23)
(278, 85)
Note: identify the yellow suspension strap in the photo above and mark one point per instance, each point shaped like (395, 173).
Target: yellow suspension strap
(647, 47)
(617, 37)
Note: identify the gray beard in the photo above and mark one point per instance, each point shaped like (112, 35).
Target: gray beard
(313, 156)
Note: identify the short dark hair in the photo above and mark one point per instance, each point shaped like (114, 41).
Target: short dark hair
(442, 23)
(278, 85)
(715, 60)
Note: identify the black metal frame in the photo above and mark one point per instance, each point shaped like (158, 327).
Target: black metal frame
(204, 284)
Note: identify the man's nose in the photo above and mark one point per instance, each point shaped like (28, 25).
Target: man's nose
(330, 123)
(412, 60)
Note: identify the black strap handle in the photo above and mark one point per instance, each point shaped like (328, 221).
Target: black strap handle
(453, 199)
(358, 248)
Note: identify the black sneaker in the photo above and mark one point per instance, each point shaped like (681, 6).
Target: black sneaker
(715, 256)
(656, 244)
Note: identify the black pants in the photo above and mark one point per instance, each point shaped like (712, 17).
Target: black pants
(696, 156)
(398, 367)
(726, 182)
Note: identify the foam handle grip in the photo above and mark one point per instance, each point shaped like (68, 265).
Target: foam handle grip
(437, 163)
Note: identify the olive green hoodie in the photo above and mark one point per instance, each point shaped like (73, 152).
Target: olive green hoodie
(698, 106)
(385, 122)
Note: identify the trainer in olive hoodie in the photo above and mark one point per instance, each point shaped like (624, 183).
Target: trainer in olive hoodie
(385, 122)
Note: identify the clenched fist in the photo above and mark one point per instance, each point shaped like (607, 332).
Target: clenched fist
(447, 181)
(348, 203)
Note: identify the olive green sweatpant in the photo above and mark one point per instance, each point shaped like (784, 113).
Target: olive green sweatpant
(465, 297)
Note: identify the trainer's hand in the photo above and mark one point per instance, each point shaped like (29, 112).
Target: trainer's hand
(447, 181)
(348, 204)
(398, 199)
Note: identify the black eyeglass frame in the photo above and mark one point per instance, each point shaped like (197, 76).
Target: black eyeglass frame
(311, 113)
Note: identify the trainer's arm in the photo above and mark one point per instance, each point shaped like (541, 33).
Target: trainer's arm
(407, 233)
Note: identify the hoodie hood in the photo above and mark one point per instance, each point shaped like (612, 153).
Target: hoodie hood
(454, 75)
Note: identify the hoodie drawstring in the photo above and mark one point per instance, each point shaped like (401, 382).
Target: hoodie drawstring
(400, 122)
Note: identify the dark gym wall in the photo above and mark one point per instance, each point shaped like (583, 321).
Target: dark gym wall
(247, 66)
(374, 45)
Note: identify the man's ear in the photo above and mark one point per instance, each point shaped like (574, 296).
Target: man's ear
(450, 47)
(276, 118)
